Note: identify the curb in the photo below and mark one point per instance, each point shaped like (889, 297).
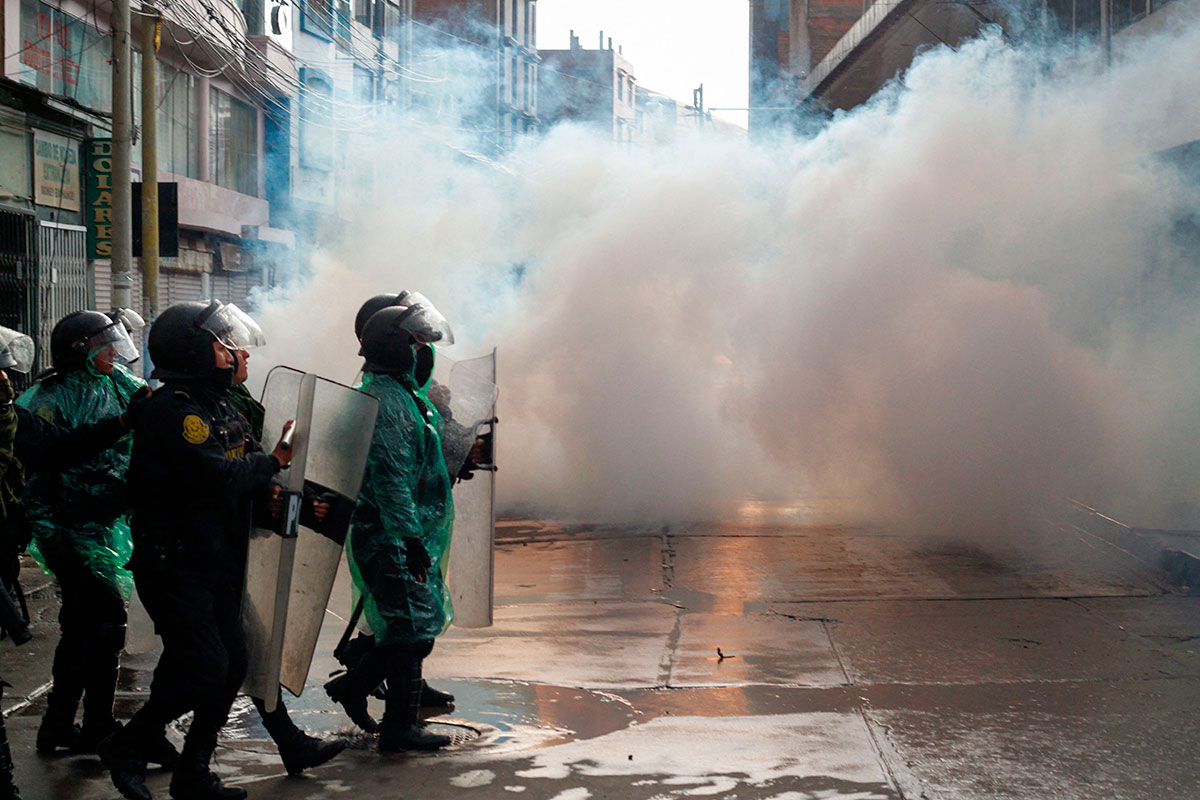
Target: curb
(1179, 568)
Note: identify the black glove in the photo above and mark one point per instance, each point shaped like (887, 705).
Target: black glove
(416, 558)
(135, 407)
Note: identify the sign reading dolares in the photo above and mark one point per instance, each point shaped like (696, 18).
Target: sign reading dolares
(99, 197)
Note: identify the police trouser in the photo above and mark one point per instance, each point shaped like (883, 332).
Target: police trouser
(92, 622)
(203, 659)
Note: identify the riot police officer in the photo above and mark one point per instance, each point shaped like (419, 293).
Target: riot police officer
(400, 534)
(195, 472)
(362, 660)
(298, 750)
(78, 522)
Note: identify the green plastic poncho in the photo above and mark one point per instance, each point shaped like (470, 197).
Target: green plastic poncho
(405, 493)
(251, 410)
(83, 509)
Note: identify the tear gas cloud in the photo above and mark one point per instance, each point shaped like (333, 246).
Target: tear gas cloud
(974, 294)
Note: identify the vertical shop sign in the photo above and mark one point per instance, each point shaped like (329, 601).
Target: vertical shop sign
(99, 197)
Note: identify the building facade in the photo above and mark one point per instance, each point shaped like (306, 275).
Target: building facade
(55, 148)
(591, 86)
(836, 54)
(502, 34)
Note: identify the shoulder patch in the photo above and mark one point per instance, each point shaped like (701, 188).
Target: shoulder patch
(46, 413)
(195, 430)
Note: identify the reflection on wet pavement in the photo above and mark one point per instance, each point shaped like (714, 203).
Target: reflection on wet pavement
(778, 657)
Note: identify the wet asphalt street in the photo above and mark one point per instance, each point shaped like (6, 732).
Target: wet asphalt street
(755, 660)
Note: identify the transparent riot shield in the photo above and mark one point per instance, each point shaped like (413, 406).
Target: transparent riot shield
(471, 402)
(290, 567)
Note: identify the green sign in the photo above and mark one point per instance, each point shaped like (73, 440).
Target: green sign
(99, 205)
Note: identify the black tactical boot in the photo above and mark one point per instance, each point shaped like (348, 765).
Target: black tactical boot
(100, 687)
(91, 734)
(58, 728)
(160, 751)
(298, 750)
(125, 763)
(8, 789)
(303, 752)
(345, 690)
(352, 688)
(401, 728)
(434, 698)
(193, 780)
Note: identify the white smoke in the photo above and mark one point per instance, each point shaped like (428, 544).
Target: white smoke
(945, 307)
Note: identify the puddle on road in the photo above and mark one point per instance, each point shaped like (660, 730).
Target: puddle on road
(496, 715)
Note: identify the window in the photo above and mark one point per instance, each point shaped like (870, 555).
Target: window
(317, 17)
(516, 79)
(63, 55)
(316, 116)
(178, 137)
(387, 20)
(233, 143)
(364, 86)
(327, 19)
(364, 12)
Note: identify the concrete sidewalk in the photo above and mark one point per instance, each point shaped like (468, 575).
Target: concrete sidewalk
(1173, 555)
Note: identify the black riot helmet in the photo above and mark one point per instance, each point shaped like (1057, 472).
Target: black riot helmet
(179, 347)
(387, 344)
(432, 326)
(376, 303)
(181, 338)
(82, 333)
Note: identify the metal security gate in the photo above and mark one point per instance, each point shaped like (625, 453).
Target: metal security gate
(17, 272)
(62, 285)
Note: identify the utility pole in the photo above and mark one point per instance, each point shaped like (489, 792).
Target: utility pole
(1106, 30)
(151, 33)
(122, 142)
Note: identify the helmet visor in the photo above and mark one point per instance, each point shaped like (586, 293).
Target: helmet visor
(234, 328)
(16, 350)
(132, 320)
(426, 324)
(116, 337)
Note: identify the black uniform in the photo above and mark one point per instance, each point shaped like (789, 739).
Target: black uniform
(194, 474)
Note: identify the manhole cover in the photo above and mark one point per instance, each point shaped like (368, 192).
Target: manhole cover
(460, 733)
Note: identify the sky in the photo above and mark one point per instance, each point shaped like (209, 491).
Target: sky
(674, 45)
